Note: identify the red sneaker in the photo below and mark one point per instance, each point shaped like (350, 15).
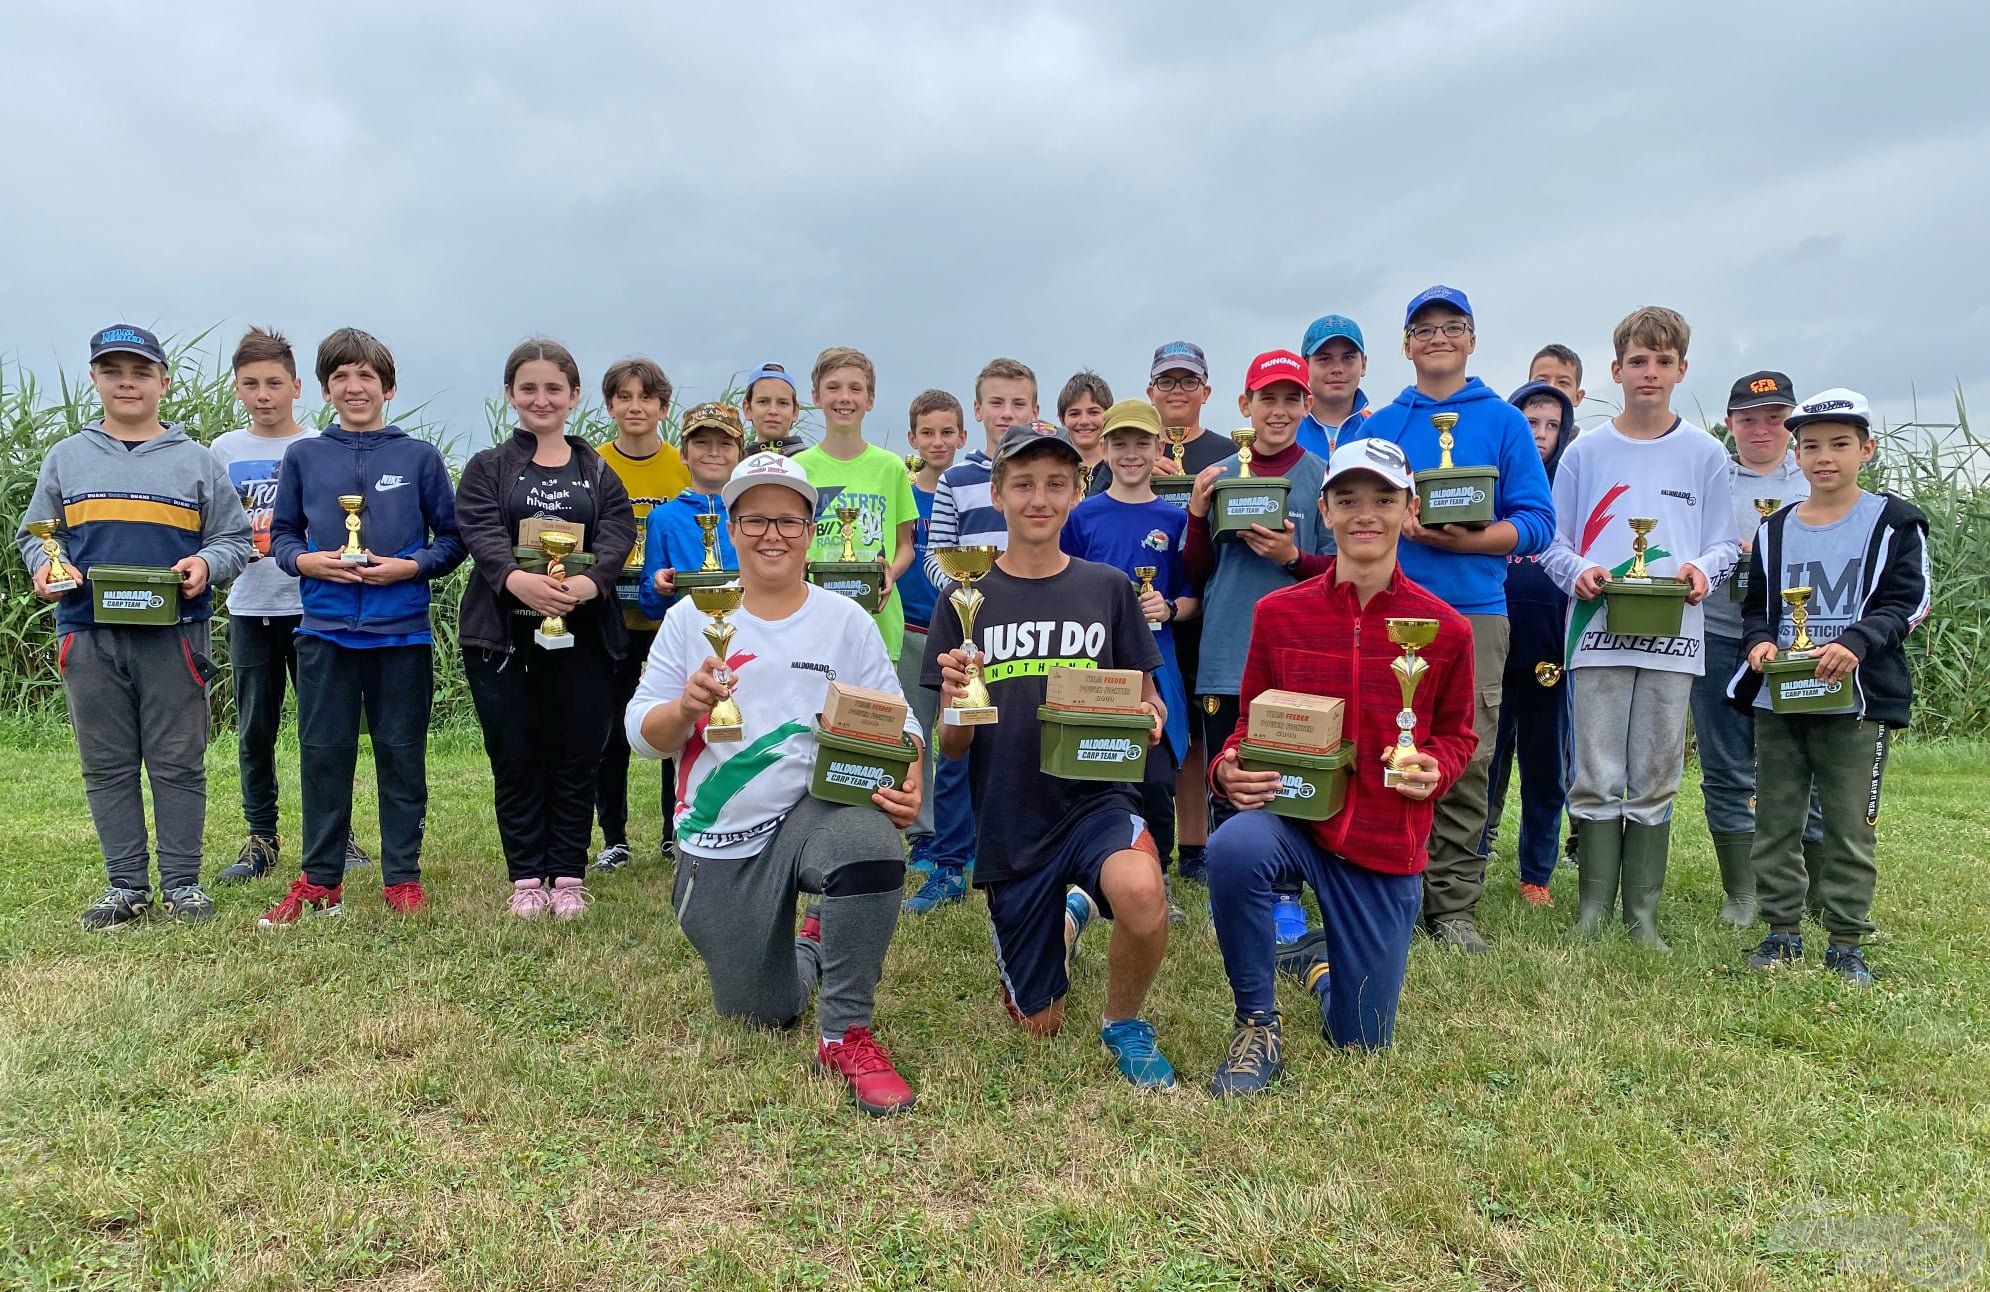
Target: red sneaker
(303, 895)
(405, 898)
(879, 1090)
(1536, 895)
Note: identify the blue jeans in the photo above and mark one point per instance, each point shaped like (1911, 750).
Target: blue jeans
(1367, 920)
(1726, 737)
(951, 845)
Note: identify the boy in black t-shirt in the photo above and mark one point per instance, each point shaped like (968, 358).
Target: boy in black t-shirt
(1057, 852)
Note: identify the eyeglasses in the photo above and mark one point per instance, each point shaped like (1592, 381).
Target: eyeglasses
(785, 526)
(1452, 329)
(1189, 383)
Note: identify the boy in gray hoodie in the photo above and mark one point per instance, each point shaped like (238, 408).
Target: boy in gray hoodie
(130, 491)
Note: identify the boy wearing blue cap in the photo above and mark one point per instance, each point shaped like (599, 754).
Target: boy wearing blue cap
(772, 404)
(129, 490)
(1464, 567)
(1336, 361)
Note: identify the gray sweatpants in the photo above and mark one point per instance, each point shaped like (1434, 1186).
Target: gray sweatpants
(926, 705)
(1629, 743)
(740, 915)
(135, 701)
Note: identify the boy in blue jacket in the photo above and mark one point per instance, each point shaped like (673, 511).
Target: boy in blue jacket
(1466, 568)
(364, 642)
(1534, 703)
(710, 440)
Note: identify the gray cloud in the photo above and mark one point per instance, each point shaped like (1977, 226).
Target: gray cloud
(1068, 185)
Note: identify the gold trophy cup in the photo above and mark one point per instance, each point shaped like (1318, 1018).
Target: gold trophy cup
(708, 529)
(726, 723)
(552, 634)
(711, 571)
(964, 565)
(1412, 635)
(1146, 573)
(1641, 527)
(61, 575)
(1175, 487)
(1238, 502)
(352, 553)
(913, 462)
(1798, 600)
(1640, 603)
(1449, 494)
(846, 519)
(1737, 587)
(1244, 437)
(1791, 675)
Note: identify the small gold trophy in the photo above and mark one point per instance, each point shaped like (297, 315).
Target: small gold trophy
(1640, 603)
(1412, 635)
(726, 723)
(1766, 507)
(1146, 573)
(912, 464)
(352, 553)
(1547, 672)
(1449, 494)
(1791, 675)
(1238, 502)
(552, 634)
(1245, 437)
(964, 565)
(1798, 600)
(708, 529)
(1641, 527)
(1444, 422)
(1176, 436)
(61, 575)
(1178, 486)
(846, 518)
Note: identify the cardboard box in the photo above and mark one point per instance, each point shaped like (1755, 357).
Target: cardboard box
(1295, 721)
(1094, 690)
(868, 715)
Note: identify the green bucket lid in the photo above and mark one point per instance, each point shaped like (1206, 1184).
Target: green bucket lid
(135, 574)
(1661, 585)
(903, 750)
(1087, 718)
(1333, 762)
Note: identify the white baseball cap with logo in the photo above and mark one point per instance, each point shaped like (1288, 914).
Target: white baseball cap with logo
(1376, 457)
(1834, 405)
(767, 469)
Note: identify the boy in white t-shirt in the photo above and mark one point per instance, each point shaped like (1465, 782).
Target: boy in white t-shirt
(749, 836)
(1631, 692)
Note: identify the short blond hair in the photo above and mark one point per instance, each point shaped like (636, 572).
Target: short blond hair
(1655, 328)
(843, 356)
(1009, 369)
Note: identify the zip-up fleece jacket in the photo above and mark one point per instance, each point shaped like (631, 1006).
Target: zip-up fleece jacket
(1536, 607)
(410, 512)
(490, 530)
(154, 504)
(1318, 638)
(1893, 598)
(1490, 432)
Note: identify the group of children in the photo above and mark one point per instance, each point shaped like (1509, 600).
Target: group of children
(332, 540)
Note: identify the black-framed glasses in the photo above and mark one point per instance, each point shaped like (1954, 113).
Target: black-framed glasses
(1190, 383)
(785, 526)
(1452, 328)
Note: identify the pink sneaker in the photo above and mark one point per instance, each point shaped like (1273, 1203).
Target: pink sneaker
(570, 898)
(529, 899)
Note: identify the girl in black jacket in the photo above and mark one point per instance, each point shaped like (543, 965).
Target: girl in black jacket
(545, 712)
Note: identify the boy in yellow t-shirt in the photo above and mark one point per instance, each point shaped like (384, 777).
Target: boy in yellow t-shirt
(636, 394)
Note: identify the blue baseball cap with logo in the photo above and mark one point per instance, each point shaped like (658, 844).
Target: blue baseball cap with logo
(1327, 327)
(123, 338)
(777, 372)
(1184, 356)
(1438, 295)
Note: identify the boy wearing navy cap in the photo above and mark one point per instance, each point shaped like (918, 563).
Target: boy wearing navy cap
(1336, 361)
(772, 404)
(1464, 567)
(130, 490)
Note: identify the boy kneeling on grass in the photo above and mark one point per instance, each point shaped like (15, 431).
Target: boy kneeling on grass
(1330, 636)
(1050, 853)
(749, 835)
(1865, 557)
(129, 490)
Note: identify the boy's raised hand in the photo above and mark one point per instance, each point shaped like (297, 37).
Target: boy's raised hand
(1205, 480)
(327, 566)
(1835, 663)
(953, 675)
(703, 689)
(1153, 607)
(1245, 790)
(1589, 584)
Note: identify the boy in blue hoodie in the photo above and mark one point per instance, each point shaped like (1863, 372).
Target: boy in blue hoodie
(130, 490)
(1464, 567)
(1336, 361)
(1534, 708)
(710, 440)
(364, 642)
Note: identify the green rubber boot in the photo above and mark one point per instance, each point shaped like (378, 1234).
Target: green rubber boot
(1737, 878)
(1645, 848)
(1599, 857)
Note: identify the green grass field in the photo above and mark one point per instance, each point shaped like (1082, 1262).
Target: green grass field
(462, 1101)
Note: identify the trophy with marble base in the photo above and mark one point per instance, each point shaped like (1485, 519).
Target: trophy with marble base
(1409, 667)
(62, 576)
(966, 565)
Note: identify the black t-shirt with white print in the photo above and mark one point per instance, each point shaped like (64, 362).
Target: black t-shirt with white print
(551, 493)
(1086, 614)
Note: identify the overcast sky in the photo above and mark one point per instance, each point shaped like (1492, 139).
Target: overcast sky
(1070, 185)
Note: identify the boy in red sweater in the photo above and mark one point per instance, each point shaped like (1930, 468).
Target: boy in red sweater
(1330, 636)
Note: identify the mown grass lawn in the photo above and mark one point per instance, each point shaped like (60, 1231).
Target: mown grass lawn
(462, 1101)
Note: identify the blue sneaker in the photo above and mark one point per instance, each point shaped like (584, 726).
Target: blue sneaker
(1131, 1044)
(1849, 963)
(942, 888)
(1776, 949)
(918, 860)
(1288, 918)
(1079, 911)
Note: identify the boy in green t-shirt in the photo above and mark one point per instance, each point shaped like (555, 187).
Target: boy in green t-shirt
(846, 471)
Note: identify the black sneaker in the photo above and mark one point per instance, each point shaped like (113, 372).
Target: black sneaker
(1848, 963)
(1777, 949)
(612, 858)
(355, 856)
(667, 851)
(1191, 863)
(187, 904)
(1256, 1058)
(117, 908)
(258, 858)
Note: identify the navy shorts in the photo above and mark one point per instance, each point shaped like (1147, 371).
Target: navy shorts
(1028, 911)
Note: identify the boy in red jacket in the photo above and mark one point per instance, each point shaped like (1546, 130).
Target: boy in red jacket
(1330, 636)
